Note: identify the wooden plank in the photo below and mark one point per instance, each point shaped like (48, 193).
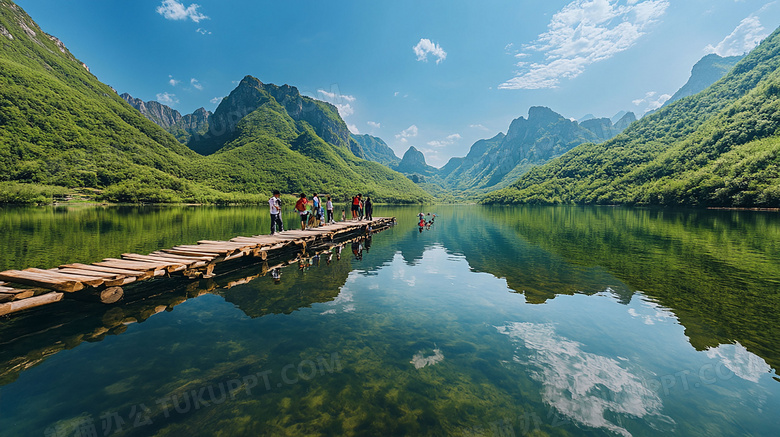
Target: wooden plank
(190, 264)
(19, 294)
(111, 281)
(92, 281)
(167, 265)
(18, 305)
(82, 272)
(190, 253)
(181, 257)
(204, 248)
(138, 265)
(141, 275)
(37, 280)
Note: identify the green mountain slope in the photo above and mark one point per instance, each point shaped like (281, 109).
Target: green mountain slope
(498, 162)
(60, 126)
(719, 147)
(375, 149)
(293, 142)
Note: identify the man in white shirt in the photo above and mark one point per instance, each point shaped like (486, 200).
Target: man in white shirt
(275, 205)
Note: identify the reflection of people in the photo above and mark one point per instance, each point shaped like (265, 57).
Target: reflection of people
(276, 212)
(300, 206)
(367, 243)
(338, 253)
(369, 208)
(277, 275)
(330, 258)
(357, 250)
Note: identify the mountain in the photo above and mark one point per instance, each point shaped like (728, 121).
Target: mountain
(266, 135)
(720, 147)
(182, 127)
(375, 149)
(704, 73)
(545, 134)
(414, 162)
(158, 113)
(60, 126)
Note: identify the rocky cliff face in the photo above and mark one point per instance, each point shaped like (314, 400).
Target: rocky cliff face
(375, 149)
(162, 115)
(704, 73)
(182, 127)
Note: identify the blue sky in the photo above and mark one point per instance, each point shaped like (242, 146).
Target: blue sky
(438, 75)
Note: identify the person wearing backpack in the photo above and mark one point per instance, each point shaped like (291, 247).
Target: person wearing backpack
(300, 206)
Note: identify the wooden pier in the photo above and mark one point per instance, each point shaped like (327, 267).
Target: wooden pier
(103, 281)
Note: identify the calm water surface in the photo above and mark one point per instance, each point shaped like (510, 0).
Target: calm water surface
(537, 321)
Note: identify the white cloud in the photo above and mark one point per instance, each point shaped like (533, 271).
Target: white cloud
(746, 36)
(590, 389)
(203, 31)
(445, 142)
(584, 32)
(652, 101)
(338, 100)
(407, 133)
(374, 124)
(167, 99)
(216, 100)
(172, 81)
(425, 47)
(478, 126)
(195, 84)
(173, 10)
(352, 128)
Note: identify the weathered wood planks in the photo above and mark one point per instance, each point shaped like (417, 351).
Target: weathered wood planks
(102, 281)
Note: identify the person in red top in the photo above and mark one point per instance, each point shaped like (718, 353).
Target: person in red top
(300, 206)
(355, 206)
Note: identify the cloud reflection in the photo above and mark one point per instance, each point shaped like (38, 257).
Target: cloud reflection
(582, 386)
(739, 360)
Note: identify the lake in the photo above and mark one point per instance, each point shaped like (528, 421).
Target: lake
(495, 321)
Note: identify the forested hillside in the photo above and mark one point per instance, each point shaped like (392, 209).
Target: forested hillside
(719, 148)
(61, 127)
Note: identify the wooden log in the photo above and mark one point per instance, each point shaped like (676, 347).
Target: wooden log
(161, 259)
(189, 253)
(181, 257)
(204, 249)
(32, 302)
(143, 266)
(16, 295)
(92, 281)
(167, 265)
(43, 281)
(140, 275)
(106, 295)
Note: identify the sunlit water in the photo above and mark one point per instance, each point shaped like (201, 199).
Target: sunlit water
(494, 322)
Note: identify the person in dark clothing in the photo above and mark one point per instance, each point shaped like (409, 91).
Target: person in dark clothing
(369, 208)
(276, 212)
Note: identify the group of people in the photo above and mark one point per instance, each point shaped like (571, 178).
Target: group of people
(362, 208)
(312, 211)
(423, 223)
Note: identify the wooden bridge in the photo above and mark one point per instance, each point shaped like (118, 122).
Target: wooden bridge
(103, 281)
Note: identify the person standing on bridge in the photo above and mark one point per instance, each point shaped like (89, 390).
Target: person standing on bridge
(329, 209)
(355, 206)
(276, 212)
(300, 206)
(369, 208)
